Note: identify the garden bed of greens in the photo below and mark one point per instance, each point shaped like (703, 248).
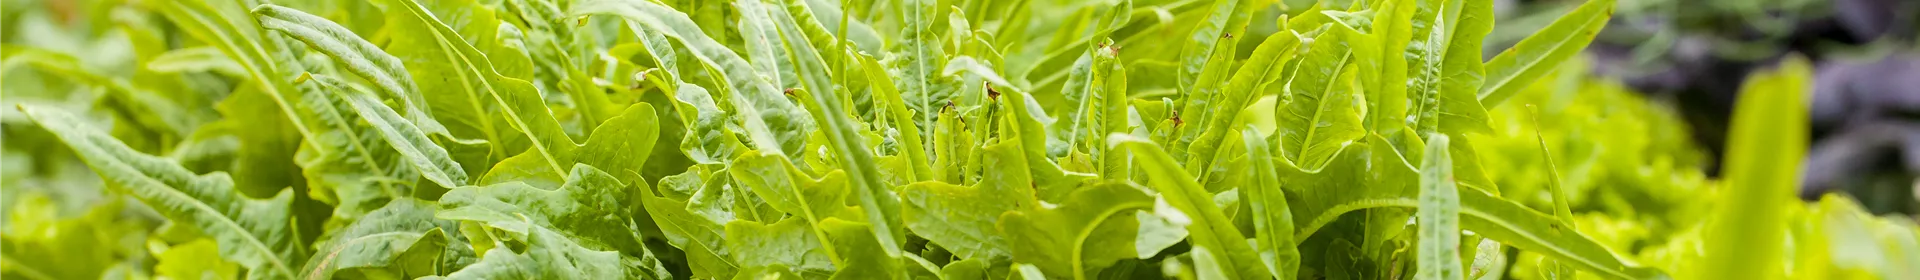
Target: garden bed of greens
(913, 139)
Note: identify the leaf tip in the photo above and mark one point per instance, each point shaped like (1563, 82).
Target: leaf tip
(265, 9)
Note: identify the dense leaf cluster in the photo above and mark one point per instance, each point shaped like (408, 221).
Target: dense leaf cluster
(915, 139)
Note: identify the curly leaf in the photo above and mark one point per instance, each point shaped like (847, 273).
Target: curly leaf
(787, 245)
(963, 218)
(551, 255)
(1090, 230)
(853, 240)
(402, 239)
(700, 237)
(592, 205)
(789, 189)
(785, 187)
(620, 146)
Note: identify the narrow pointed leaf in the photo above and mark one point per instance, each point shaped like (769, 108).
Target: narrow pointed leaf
(1210, 227)
(1518, 66)
(1744, 237)
(901, 118)
(1439, 215)
(1272, 218)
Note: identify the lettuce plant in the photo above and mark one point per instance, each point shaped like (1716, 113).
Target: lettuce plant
(914, 139)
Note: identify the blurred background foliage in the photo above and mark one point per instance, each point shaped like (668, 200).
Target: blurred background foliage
(1634, 128)
(1693, 55)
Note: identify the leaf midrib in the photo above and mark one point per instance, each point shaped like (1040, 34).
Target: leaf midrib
(920, 49)
(1427, 110)
(1320, 109)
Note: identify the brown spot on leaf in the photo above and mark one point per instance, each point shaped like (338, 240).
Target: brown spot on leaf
(992, 93)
